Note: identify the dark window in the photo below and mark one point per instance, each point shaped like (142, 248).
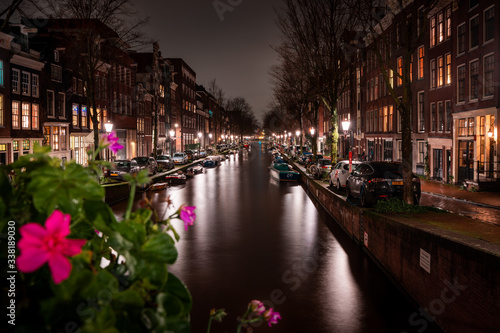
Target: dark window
(474, 79)
(449, 118)
(461, 38)
(489, 24)
(474, 32)
(461, 83)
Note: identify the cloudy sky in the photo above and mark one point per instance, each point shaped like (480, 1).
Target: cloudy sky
(226, 40)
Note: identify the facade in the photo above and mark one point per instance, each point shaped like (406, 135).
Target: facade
(22, 96)
(455, 100)
(184, 105)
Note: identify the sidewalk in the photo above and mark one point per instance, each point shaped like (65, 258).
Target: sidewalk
(453, 191)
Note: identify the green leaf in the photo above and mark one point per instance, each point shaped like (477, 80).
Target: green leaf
(176, 288)
(100, 215)
(127, 299)
(154, 274)
(105, 318)
(160, 248)
(103, 286)
(64, 189)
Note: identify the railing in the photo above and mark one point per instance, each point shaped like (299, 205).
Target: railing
(487, 171)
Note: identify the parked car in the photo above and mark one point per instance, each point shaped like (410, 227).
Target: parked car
(122, 167)
(191, 155)
(180, 158)
(305, 156)
(194, 170)
(339, 173)
(373, 181)
(321, 168)
(145, 162)
(165, 162)
(202, 153)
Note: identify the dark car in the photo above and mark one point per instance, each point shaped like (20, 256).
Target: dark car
(165, 162)
(373, 181)
(191, 155)
(121, 167)
(145, 162)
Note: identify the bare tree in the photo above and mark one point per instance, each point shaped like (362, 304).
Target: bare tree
(107, 29)
(318, 32)
(18, 9)
(402, 26)
(216, 91)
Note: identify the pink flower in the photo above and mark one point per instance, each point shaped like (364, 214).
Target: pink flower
(187, 215)
(111, 140)
(271, 317)
(257, 307)
(39, 245)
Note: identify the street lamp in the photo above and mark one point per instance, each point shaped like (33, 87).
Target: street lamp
(108, 126)
(172, 138)
(199, 139)
(346, 124)
(312, 131)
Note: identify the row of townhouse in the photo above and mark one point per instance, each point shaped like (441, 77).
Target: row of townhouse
(45, 96)
(455, 95)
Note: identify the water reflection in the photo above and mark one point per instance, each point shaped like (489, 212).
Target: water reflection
(255, 238)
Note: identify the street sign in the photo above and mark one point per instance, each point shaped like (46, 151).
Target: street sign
(350, 161)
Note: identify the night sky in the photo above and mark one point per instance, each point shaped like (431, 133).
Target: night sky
(226, 40)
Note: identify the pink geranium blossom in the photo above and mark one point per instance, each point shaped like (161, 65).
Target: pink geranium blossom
(39, 245)
(111, 140)
(271, 316)
(257, 307)
(187, 215)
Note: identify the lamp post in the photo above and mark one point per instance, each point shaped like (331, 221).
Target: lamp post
(346, 124)
(108, 126)
(172, 138)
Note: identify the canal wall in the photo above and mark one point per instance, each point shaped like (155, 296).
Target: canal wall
(455, 280)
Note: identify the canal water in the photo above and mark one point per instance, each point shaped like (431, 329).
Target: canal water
(255, 238)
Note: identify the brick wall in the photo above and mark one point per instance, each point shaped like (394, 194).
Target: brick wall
(461, 293)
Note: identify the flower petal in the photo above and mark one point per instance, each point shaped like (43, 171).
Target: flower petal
(57, 224)
(60, 267)
(71, 247)
(31, 260)
(32, 230)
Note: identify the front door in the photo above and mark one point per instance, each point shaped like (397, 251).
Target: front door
(465, 160)
(438, 164)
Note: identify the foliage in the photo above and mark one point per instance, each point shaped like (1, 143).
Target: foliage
(396, 205)
(119, 281)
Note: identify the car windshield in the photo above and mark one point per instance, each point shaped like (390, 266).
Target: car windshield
(141, 160)
(178, 155)
(162, 158)
(121, 164)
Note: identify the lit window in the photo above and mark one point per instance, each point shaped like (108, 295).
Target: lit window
(1, 73)
(84, 116)
(74, 111)
(35, 115)
(421, 54)
(15, 115)
(448, 69)
(433, 31)
(440, 72)
(25, 117)
(1, 111)
(55, 138)
(400, 71)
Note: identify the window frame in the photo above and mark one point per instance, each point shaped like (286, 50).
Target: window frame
(421, 59)
(25, 86)
(474, 77)
(461, 79)
(485, 24)
(16, 85)
(492, 73)
(16, 119)
(461, 38)
(474, 33)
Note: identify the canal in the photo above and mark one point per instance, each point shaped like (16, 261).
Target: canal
(255, 238)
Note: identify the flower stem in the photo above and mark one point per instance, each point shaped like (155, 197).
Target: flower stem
(209, 324)
(130, 201)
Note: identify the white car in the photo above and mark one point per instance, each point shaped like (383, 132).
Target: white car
(340, 172)
(180, 158)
